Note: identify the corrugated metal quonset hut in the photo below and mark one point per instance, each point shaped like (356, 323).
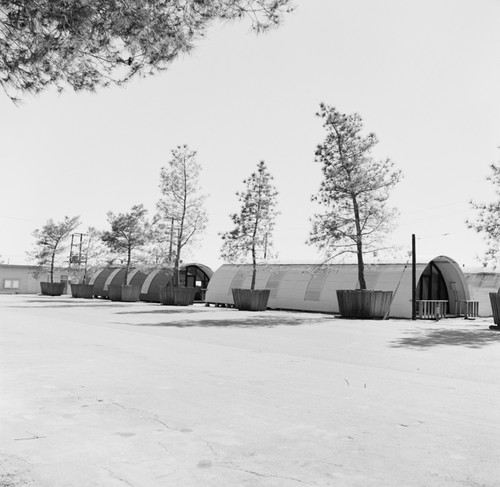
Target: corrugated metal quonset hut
(481, 283)
(109, 276)
(307, 287)
(190, 275)
(98, 280)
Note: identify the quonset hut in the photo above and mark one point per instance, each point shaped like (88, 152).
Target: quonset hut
(111, 276)
(482, 282)
(190, 275)
(313, 288)
(101, 279)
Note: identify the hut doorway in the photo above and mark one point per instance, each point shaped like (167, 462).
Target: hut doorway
(431, 284)
(194, 276)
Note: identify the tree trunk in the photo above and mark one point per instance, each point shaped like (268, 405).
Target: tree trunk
(180, 231)
(52, 266)
(254, 268)
(171, 241)
(254, 237)
(176, 277)
(127, 267)
(359, 245)
(177, 262)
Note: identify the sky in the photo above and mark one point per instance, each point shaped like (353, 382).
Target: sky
(424, 76)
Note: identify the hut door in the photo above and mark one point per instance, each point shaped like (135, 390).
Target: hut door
(431, 284)
(188, 276)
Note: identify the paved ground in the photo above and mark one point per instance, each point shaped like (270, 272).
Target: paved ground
(95, 393)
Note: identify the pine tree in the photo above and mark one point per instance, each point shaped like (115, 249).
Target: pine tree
(487, 221)
(354, 190)
(181, 214)
(50, 241)
(129, 232)
(89, 44)
(254, 224)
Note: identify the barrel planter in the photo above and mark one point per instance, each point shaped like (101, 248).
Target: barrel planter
(130, 293)
(364, 304)
(177, 296)
(85, 291)
(495, 307)
(251, 299)
(127, 293)
(52, 288)
(115, 292)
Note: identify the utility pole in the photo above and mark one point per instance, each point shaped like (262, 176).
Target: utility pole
(80, 250)
(413, 278)
(76, 257)
(86, 259)
(71, 249)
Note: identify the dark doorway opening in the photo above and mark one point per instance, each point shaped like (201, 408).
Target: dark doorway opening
(193, 276)
(432, 284)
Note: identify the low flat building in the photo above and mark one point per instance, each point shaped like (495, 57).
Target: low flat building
(25, 279)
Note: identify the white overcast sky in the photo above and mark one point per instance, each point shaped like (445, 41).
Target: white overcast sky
(425, 77)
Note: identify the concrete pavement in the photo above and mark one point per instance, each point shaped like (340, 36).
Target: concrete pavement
(97, 393)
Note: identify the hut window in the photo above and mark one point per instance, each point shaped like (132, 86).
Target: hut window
(315, 286)
(202, 279)
(274, 282)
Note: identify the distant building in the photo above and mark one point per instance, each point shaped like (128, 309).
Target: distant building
(25, 279)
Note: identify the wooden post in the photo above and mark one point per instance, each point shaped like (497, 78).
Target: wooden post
(413, 278)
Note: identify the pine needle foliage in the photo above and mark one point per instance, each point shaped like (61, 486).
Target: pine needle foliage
(181, 210)
(254, 224)
(87, 44)
(49, 241)
(354, 190)
(129, 232)
(487, 221)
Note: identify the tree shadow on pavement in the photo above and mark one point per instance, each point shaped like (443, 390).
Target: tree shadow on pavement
(65, 303)
(424, 339)
(162, 310)
(247, 322)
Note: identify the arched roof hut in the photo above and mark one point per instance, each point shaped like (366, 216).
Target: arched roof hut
(150, 290)
(110, 276)
(100, 280)
(481, 283)
(190, 275)
(313, 288)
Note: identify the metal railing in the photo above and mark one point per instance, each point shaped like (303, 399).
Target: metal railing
(432, 309)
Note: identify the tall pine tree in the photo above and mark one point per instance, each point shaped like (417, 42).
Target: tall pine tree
(181, 213)
(354, 190)
(254, 224)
